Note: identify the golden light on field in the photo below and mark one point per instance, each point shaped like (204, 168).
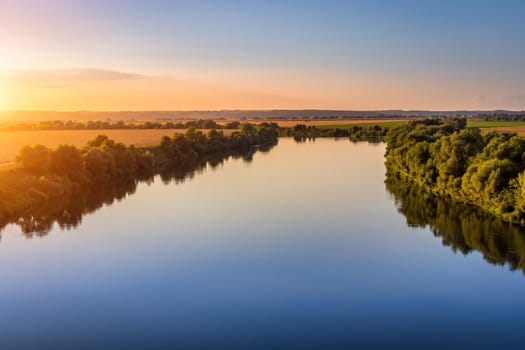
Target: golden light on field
(3, 97)
(3, 91)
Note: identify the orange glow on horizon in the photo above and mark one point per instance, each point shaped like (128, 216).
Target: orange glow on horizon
(65, 90)
(107, 90)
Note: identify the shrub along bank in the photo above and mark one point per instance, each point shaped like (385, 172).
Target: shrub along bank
(449, 159)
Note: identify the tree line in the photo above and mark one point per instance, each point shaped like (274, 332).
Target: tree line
(109, 125)
(501, 117)
(486, 170)
(355, 133)
(42, 173)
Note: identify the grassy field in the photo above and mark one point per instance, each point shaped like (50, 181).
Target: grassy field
(520, 129)
(500, 126)
(494, 124)
(11, 142)
(485, 126)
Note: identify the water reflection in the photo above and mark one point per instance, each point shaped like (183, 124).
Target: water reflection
(354, 139)
(461, 227)
(67, 212)
(260, 256)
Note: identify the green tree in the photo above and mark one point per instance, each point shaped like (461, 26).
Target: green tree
(100, 164)
(67, 160)
(35, 158)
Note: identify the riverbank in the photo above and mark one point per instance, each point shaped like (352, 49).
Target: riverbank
(449, 159)
(42, 174)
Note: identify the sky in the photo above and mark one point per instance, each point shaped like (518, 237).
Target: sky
(188, 55)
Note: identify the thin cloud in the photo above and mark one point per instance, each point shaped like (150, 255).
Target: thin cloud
(513, 101)
(485, 100)
(61, 77)
(105, 89)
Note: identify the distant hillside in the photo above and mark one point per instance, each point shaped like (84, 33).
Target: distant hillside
(235, 114)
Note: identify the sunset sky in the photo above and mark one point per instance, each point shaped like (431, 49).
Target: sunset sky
(180, 55)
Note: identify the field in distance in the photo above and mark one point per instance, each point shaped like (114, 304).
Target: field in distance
(500, 126)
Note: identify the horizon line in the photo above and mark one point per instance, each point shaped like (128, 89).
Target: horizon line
(261, 110)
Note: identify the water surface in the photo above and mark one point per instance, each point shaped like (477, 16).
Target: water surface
(301, 247)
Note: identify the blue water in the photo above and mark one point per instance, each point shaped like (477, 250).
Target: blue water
(301, 248)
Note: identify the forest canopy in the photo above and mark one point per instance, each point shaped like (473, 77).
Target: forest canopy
(486, 170)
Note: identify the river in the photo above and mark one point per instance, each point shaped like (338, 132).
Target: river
(300, 247)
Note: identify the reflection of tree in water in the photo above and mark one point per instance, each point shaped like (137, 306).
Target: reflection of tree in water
(461, 227)
(67, 212)
(369, 139)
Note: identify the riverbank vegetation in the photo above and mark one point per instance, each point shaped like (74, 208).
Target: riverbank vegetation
(373, 133)
(446, 157)
(41, 173)
(67, 211)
